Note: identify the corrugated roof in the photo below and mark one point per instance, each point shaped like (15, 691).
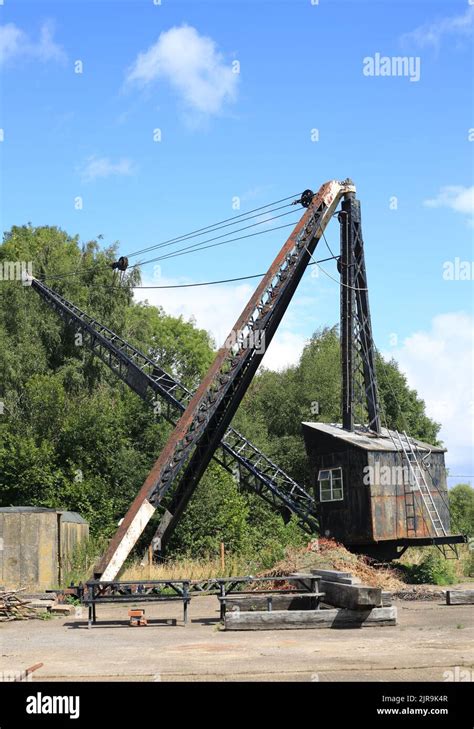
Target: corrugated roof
(36, 509)
(71, 516)
(360, 437)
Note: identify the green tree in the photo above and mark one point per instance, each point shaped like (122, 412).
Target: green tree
(72, 435)
(461, 506)
(402, 407)
(217, 513)
(278, 402)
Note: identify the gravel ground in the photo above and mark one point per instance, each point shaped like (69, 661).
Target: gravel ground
(430, 640)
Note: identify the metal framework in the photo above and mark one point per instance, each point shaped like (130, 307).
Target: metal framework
(359, 382)
(95, 592)
(207, 416)
(256, 472)
(202, 419)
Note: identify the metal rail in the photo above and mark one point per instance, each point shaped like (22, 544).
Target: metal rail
(95, 592)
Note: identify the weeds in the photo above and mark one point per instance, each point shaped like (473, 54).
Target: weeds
(433, 569)
(81, 560)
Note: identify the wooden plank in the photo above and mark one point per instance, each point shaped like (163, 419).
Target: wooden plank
(305, 579)
(351, 596)
(336, 576)
(299, 601)
(459, 597)
(41, 604)
(63, 609)
(38, 596)
(309, 619)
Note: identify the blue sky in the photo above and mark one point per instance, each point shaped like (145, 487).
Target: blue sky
(406, 143)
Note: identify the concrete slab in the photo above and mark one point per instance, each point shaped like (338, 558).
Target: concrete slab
(430, 639)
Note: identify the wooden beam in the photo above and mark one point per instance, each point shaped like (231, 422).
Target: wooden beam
(309, 619)
(259, 602)
(459, 597)
(353, 597)
(335, 576)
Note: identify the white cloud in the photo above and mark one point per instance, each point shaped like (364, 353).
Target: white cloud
(216, 309)
(458, 198)
(96, 167)
(285, 349)
(15, 44)
(439, 364)
(192, 65)
(11, 39)
(432, 33)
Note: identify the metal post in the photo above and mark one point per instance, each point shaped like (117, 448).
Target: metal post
(356, 347)
(222, 601)
(346, 266)
(186, 600)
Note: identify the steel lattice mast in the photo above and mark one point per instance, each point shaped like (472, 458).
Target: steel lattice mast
(208, 414)
(359, 381)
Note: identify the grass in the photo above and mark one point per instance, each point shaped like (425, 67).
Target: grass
(412, 566)
(45, 616)
(426, 564)
(185, 568)
(81, 561)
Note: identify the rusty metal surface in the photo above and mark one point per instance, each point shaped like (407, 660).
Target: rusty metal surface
(144, 376)
(370, 512)
(206, 398)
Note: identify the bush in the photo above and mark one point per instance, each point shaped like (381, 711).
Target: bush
(468, 564)
(432, 569)
(461, 506)
(81, 561)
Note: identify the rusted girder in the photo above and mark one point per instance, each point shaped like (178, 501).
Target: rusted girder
(226, 381)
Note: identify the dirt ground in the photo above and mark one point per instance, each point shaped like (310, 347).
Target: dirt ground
(430, 639)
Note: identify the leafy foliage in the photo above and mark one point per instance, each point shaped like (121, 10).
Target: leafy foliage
(461, 506)
(72, 436)
(278, 402)
(432, 569)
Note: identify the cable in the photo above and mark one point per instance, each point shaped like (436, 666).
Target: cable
(208, 228)
(200, 231)
(190, 249)
(353, 288)
(199, 283)
(199, 247)
(327, 245)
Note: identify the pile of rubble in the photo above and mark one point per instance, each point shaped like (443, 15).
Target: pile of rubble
(419, 593)
(13, 608)
(19, 605)
(330, 555)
